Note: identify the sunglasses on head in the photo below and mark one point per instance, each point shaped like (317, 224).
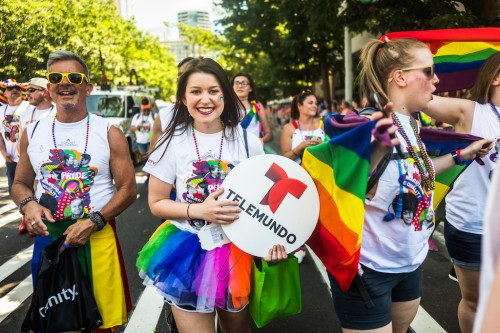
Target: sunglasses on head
(13, 87)
(427, 70)
(73, 78)
(32, 90)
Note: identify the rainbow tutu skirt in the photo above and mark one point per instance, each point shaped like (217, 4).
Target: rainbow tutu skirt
(190, 277)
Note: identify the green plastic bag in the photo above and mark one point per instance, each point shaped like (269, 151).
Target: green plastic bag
(275, 291)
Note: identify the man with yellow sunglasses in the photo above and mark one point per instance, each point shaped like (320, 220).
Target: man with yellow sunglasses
(99, 155)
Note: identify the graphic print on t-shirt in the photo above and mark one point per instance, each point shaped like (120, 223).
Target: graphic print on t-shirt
(413, 201)
(67, 181)
(206, 177)
(11, 125)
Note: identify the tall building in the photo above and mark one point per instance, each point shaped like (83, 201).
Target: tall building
(182, 49)
(125, 8)
(195, 19)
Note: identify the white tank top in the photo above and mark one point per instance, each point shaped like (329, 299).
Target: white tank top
(391, 244)
(74, 183)
(300, 135)
(465, 204)
(11, 127)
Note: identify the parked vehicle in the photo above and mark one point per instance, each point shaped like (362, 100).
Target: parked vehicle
(119, 106)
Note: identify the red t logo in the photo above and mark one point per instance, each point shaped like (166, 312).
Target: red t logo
(282, 186)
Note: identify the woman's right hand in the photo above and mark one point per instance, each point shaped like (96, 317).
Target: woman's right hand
(33, 214)
(299, 150)
(216, 211)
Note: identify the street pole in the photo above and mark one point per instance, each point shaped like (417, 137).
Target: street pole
(348, 65)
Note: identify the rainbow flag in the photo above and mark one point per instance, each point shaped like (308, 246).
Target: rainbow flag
(340, 170)
(439, 143)
(458, 53)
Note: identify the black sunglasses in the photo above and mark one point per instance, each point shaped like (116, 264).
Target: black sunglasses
(13, 87)
(32, 90)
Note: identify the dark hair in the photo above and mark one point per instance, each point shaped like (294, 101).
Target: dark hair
(299, 99)
(183, 61)
(144, 101)
(62, 55)
(482, 90)
(409, 200)
(182, 120)
(253, 94)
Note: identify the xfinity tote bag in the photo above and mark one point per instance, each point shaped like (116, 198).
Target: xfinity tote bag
(62, 299)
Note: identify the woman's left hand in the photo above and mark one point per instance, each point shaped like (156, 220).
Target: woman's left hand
(276, 253)
(478, 148)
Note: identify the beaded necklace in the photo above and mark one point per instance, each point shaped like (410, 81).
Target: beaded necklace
(217, 177)
(304, 138)
(494, 108)
(429, 177)
(55, 144)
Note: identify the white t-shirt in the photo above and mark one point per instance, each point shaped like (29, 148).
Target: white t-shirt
(398, 245)
(195, 180)
(166, 115)
(11, 127)
(465, 204)
(75, 183)
(32, 114)
(146, 123)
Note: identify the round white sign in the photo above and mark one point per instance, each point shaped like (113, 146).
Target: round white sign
(279, 204)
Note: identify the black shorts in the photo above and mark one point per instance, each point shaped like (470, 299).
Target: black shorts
(464, 247)
(383, 288)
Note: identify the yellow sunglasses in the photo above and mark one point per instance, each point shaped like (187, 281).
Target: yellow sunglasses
(73, 78)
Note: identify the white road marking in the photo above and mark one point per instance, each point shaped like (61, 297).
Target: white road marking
(9, 218)
(423, 322)
(147, 312)
(16, 262)
(15, 298)
(7, 207)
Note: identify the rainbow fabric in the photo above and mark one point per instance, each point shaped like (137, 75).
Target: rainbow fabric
(439, 143)
(103, 255)
(458, 53)
(340, 169)
(183, 273)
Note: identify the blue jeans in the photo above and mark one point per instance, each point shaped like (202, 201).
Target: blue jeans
(11, 173)
(143, 148)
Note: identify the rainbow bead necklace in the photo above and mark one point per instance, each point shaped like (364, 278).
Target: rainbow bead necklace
(427, 178)
(220, 153)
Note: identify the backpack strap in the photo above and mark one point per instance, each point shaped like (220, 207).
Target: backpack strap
(34, 129)
(295, 124)
(245, 138)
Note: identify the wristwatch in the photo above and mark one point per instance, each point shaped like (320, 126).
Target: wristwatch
(97, 218)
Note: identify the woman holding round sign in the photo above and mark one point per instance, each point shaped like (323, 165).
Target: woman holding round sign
(189, 259)
(394, 243)
(305, 130)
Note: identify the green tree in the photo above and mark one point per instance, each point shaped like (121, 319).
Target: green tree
(304, 39)
(91, 28)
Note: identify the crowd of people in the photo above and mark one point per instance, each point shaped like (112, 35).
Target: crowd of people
(70, 173)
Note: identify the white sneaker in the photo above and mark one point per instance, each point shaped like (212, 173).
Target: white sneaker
(300, 254)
